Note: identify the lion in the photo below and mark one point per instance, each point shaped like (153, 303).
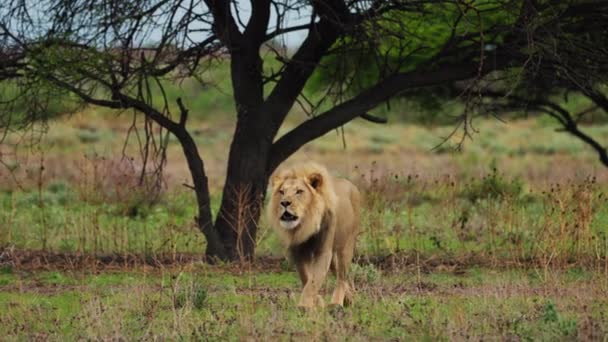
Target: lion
(317, 218)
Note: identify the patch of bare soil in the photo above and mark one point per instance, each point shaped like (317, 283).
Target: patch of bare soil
(32, 260)
(54, 289)
(41, 260)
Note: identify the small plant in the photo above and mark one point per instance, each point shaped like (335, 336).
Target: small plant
(195, 296)
(366, 273)
(285, 265)
(549, 313)
(551, 317)
(6, 269)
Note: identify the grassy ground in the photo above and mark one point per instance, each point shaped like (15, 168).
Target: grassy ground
(197, 301)
(507, 239)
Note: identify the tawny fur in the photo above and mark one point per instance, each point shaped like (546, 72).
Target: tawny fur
(328, 211)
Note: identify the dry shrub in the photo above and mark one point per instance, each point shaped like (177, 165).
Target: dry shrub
(118, 182)
(388, 194)
(392, 190)
(241, 220)
(567, 232)
(365, 273)
(382, 192)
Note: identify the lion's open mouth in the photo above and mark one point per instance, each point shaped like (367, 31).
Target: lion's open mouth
(288, 217)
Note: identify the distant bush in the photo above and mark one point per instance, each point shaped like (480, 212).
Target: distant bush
(493, 186)
(57, 193)
(89, 136)
(119, 182)
(37, 102)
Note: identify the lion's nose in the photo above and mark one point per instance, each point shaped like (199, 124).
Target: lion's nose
(285, 203)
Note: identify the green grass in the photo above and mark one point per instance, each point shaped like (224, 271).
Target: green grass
(491, 218)
(41, 221)
(470, 304)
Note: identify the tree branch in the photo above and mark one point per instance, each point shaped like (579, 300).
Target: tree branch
(557, 112)
(367, 100)
(285, 30)
(320, 38)
(598, 98)
(11, 65)
(334, 19)
(258, 23)
(571, 127)
(183, 113)
(195, 162)
(373, 119)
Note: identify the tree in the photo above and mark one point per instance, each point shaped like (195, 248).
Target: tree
(359, 53)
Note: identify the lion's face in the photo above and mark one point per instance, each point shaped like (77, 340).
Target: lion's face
(301, 196)
(293, 197)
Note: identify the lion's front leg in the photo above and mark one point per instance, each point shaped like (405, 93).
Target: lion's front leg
(343, 293)
(315, 273)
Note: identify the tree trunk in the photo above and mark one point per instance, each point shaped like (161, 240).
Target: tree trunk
(246, 175)
(233, 235)
(244, 190)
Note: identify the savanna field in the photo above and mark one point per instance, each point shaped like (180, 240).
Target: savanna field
(505, 239)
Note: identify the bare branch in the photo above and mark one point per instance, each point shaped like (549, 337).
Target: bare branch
(281, 31)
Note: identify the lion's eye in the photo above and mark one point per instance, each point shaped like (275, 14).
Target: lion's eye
(299, 191)
(281, 192)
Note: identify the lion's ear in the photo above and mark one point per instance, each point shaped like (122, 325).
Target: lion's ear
(277, 179)
(315, 180)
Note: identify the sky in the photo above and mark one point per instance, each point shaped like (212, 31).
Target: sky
(42, 14)
(292, 39)
(294, 18)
